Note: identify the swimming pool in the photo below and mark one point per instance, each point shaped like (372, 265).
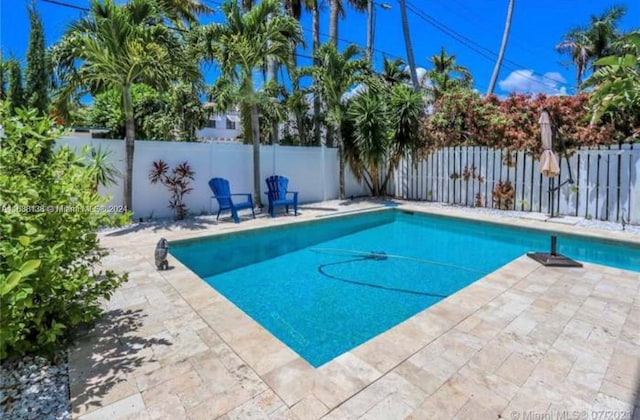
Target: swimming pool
(326, 286)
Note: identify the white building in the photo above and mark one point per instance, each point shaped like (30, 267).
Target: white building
(226, 127)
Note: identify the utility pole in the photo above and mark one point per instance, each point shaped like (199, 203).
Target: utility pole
(503, 47)
(407, 43)
(371, 25)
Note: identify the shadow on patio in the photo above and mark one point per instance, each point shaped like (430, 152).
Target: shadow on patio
(101, 361)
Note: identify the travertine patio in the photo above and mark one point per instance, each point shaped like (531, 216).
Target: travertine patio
(524, 340)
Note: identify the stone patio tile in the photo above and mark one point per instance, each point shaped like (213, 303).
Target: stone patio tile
(621, 393)
(169, 407)
(389, 408)
(215, 404)
(490, 357)
(259, 407)
(437, 366)
(131, 406)
(473, 376)
(341, 378)
(145, 381)
(292, 381)
(309, 408)
(478, 391)
(516, 369)
(382, 353)
(474, 411)
(607, 403)
(283, 413)
(419, 377)
(442, 404)
(172, 388)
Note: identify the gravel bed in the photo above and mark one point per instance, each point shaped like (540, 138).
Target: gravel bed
(35, 388)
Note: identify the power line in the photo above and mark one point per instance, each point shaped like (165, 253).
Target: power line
(69, 5)
(479, 49)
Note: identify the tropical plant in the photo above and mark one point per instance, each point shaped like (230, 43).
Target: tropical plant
(240, 46)
(177, 182)
(174, 114)
(3, 78)
(116, 46)
(49, 281)
(585, 45)
(105, 173)
(37, 72)
(336, 73)
(383, 125)
(616, 83)
(503, 47)
(393, 71)
(182, 13)
(446, 75)
(15, 93)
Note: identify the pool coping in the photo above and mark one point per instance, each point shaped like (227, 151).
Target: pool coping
(322, 390)
(294, 379)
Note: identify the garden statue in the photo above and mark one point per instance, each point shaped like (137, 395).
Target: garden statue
(162, 248)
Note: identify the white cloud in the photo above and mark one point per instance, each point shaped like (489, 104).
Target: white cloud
(525, 81)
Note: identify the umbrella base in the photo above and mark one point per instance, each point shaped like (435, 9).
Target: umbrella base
(553, 260)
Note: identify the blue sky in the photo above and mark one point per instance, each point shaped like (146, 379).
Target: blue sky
(531, 62)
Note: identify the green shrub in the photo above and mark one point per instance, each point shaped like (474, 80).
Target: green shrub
(50, 213)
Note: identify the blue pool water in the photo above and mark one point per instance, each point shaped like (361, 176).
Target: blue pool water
(324, 287)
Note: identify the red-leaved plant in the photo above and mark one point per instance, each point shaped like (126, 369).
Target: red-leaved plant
(177, 182)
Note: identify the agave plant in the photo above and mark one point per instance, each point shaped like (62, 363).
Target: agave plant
(176, 181)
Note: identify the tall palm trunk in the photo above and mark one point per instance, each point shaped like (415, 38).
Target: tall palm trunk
(503, 47)
(333, 21)
(370, 28)
(407, 43)
(341, 162)
(272, 75)
(316, 99)
(255, 134)
(129, 145)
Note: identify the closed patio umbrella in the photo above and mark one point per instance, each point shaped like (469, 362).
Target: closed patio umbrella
(548, 161)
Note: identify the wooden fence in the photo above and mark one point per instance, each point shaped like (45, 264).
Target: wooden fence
(606, 181)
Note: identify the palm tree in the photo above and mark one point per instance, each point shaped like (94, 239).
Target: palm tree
(114, 47)
(337, 10)
(183, 13)
(240, 46)
(446, 74)
(587, 45)
(503, 47)
(335, 74)
(394, 71)
(383, 125)
(407, 43)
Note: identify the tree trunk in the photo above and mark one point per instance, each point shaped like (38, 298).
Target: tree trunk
(407, 43)
(255, 134)
(316, 99)
(370, 12)
(341, 163)
(333, 21)
(272, 74)
(129, 144)
(503, 47)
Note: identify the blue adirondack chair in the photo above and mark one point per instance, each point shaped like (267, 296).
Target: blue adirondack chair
(222, 193)
(278, 193)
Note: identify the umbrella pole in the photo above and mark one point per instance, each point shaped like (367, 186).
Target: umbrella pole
(551, 196)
